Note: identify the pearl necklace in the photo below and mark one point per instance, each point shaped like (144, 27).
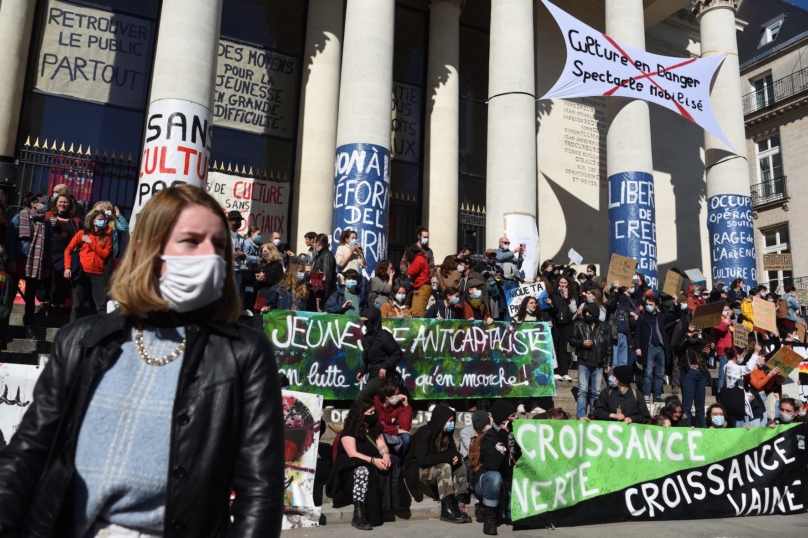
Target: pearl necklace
(152, 361)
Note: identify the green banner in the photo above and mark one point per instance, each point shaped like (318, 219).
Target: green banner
(443, 359)
(595, 472)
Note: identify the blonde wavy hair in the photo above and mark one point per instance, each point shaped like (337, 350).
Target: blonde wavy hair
(135, 284)
(273, 254)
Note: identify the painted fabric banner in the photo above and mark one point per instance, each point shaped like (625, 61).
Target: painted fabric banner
(264, 204)
(17, 383)
(578, 473)
(361, 199)
(443, 359)
(95, 55)
(632, 215)
(301, 415)
(599, 65)
(256, 90)
(732, 238)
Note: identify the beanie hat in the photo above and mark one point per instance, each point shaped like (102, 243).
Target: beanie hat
(623, 374)
(593, 309)
(501, 410)
(480, 419)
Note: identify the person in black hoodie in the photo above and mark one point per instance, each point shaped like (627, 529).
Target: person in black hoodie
(622, 403)
(433, 458)
(652, 348)
(380, 353)
(493, 473)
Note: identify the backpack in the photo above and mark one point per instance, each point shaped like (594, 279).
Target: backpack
(475, 462)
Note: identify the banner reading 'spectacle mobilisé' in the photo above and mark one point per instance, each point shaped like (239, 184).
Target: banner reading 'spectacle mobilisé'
(443, 359)
(578, 473)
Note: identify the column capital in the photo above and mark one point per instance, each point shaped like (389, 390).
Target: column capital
(459, 3)
(700, 7)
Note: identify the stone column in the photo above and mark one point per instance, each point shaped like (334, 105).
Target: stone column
(319, 101)
(729, 204)
(180, 122)
(511, 167)
(362, 168)
(629, 165)
(441, 171)
(16, 21)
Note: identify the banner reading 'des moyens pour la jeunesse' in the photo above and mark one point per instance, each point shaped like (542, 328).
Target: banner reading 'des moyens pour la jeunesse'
(263, 204)
(578, 473)
(443, 359)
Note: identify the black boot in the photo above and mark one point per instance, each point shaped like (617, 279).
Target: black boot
(360, 517)
(479, 512)
(447, 510)
(456, 506)
(490, 522)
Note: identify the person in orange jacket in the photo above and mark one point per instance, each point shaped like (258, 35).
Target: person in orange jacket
(94, 245)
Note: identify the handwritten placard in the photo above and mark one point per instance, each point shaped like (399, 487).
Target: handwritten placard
(515, 296)
(740, 336)
(777, 262)
(707, 316)
(786, 359)
(695, 275)
(263, 204)
(622, 269)
(576, 258)
(765, 314)
(673, 283)
(443, 359)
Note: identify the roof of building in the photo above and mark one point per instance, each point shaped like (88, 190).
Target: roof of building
(762, 13)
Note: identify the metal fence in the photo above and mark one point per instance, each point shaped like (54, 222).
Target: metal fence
(769, 192)
(405, 217)
(777, 91)
(471, 232)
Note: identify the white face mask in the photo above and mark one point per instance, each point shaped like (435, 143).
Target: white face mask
(276, 242)
(394, 400)
(191, 282)
(424, 240)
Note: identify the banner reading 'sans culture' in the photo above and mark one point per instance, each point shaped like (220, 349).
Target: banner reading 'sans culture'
(578, 473)
(598, 65)
(443, 359)
(263, 204)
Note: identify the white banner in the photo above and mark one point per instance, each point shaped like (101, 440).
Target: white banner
(176, 150)
(255, 90)
(17, 383)
(95, 55)
(301, 414)
(264, 204)
(598, 65)
(521, 230)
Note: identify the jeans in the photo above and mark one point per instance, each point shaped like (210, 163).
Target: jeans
(654, 366)
(694, 388)
(620, 355)
(491, 489)
(589, 381)
(405, 445)
(507, 285)
(722, 364)
(96, 285)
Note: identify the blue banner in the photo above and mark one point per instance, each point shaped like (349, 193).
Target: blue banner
(632, 221)
(732, 239)
(361, 198)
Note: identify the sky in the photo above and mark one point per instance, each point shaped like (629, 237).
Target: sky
(799, 3)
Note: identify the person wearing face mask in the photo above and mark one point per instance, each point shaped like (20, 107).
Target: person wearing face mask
(381, 354)
(476, 299)
(117, 227)
(418, 273)
(29, 244)
(65, 224)
(793, 305)
(747, 312)
(94, 246)
(592, 341)
(450, 307)
(395, 415)
(621, 316)
(723, 338)
(270, 267)
(381, 285)
(347, 299)
(529, 311)
(651, 347)
(788, 413)
(113, 380)
(692, 347)
(622, 402)
(350, 254)
(449, 273)
(421, 244)
(291, 292)
(492, 473)
(716, 417)
(397, 304)
(235, 221)
(678, 332)
(433, 460)
(365, 470)
(589, 278)
(511, 263)
(565, 308)
(694, 298)
(733, 395)
(480, 423)
(487, 267)
(251, 262)
(323, 269)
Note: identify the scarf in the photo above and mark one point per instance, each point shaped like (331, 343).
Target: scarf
(34, 230)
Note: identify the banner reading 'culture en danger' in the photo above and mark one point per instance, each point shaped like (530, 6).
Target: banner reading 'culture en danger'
(577, 473)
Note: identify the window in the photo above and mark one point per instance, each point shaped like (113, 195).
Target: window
(770, 163)
(775, 241)
(764, 91)
(770, 32)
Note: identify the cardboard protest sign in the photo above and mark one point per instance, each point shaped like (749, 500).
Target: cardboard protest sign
(707, 316)
(597, 65)
(255, 90)
(673, 283)
(622, 269)
(765, 314)
(263, 204)
(740, 336)
(301, 416)
(17, 382)
(579, 473)
(576, 258)
(786, 359)
(515, 296)
(777, 262)
(443, 359)
(695, 275)
(95, 55)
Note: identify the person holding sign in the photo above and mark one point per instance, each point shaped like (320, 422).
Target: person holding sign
(593, 342)
(692, 349)
(652, 347)
(722, 336)
(747, 312)
(694, 298)
(733, 395)
(511, 263)
(350, 254)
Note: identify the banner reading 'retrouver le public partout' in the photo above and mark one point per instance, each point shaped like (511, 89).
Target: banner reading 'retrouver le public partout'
(443, 359)
(361, 199)
(580, 473)
(732, 239)
(632, 214)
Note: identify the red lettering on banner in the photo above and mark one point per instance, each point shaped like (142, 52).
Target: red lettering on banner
(266, 194)
(163, 169)
(188, 152)
(149, 171)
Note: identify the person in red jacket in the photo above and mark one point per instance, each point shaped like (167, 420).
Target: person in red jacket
(95, 246)
(395, 416)
(418, 272)
(722, 337)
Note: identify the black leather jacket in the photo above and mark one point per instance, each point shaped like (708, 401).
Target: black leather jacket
(601, 350)
(226, 431)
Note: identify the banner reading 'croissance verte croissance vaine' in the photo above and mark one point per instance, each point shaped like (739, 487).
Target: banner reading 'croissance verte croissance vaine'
(576, 473)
